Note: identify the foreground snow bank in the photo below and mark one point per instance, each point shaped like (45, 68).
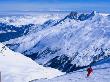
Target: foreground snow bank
(101, 73)
(15, 67)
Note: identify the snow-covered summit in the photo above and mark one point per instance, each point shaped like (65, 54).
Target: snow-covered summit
(69, 43)
(15, 67)
(40, 18)
(81, 16)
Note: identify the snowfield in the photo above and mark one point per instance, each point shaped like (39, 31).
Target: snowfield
(15, 67)
(101, 73)
(67, 42)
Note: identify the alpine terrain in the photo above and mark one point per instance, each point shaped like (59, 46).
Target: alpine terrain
(65, 41)
(15, 67)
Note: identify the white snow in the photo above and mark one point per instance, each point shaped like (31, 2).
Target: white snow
(70, 36)
(86, 37)
(15, 67)
(101, 73)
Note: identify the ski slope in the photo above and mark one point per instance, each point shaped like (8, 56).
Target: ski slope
(15, 67)
(101, 73)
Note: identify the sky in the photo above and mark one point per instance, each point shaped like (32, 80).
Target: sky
(54, 5)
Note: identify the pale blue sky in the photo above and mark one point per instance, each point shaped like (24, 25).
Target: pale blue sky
(36, 5)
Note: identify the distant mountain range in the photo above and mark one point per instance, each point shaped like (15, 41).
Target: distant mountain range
(67, 42)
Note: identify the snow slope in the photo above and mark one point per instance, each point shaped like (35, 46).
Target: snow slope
(75, 40)
(15, 67)
(101, 73)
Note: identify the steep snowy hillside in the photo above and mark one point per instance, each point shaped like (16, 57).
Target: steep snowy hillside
(74, 42)
(15, 67)
(101, 73)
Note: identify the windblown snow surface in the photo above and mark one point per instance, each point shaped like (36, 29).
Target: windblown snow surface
(15, 67)
(101, 73)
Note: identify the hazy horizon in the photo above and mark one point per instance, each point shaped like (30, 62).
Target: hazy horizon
(54, 5)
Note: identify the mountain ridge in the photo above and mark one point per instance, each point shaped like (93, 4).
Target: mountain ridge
(89, 38)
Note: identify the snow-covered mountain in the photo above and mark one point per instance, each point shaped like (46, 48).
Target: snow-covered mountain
(15, 67)
(69, 43)
(16, 26)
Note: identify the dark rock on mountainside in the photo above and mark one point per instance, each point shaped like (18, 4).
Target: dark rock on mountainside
(63, 63)
(41, 54)
(77, 16)
(11, 32)
(73, 15)
(83, 17)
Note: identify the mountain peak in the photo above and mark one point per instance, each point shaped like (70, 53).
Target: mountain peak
(81, 16)
(73, 15)
(94, 12)
(84, 16)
